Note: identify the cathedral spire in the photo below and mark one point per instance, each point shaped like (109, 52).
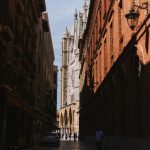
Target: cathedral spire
(75, 14)
(75, 21)
(80, 25)
(66, 32)
(85, 5)
(85, 12)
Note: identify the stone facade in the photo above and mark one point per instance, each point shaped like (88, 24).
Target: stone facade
(70, 85)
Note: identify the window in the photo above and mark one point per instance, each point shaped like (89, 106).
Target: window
(55, 94)
(100, 64)
(55, 77)
(96, 24)
(100, 17)
(93, 77)
(39, 65)
(73, 77)
(96, 74)
(104, 9)
(65, 83)
(65, 73)
(91, 44)
(111, 42)
(94, 41)
(65, 44)
(65, 59)
(72, 97)
(105, 55)
(120, 25)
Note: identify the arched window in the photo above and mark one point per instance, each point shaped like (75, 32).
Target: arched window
(65, 117)
(70, 116)
(61, 120)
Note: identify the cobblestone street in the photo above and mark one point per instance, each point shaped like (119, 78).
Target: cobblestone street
(68, 145)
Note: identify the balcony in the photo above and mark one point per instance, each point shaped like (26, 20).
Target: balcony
(18, 45)
(6, 24)
(42, 5)
(36, 11)
(24, 94)
(18, 87)
(20, 6)
(45, 25)
(32, 26)
(6, 33)
(49, 93)
(45, 22)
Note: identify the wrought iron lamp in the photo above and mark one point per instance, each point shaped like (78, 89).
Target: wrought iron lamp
(133, 15)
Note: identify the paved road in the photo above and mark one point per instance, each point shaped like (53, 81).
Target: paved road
(67, 145)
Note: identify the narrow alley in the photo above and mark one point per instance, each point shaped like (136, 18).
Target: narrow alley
(74, 74)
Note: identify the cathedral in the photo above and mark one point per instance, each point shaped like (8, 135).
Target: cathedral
(70, 70)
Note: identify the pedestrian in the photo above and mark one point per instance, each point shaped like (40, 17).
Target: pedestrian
(99, 139)
(59, 135)
(66, 136)
(70, 136)
(75, 136)
(62, 135)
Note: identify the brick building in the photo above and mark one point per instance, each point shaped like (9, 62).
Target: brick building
(114, 75)
(26, 72)
(44, 105)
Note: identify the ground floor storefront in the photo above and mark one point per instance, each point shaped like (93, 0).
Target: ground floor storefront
(16, 121)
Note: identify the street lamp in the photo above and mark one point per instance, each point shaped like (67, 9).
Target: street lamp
(133, 15)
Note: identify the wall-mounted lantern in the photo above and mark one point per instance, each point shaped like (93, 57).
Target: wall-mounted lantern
(133, 15)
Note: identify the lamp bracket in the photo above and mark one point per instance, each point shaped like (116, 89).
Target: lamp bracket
(143, 6)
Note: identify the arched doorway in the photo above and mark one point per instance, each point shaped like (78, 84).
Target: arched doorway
(70, 120)
(61, 126)
(65, 122)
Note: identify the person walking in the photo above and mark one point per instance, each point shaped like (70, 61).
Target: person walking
(66, 136)
(70, 136)
(99, 139)
(62, 135)
(75, 136)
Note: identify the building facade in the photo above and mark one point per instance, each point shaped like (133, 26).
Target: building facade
(69, 91)
(113, 75)
(44, 105)
(57, 119)
(26, 72)
(69, 102)
(54, 101)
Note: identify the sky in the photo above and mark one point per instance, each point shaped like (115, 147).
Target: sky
(61, 14)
